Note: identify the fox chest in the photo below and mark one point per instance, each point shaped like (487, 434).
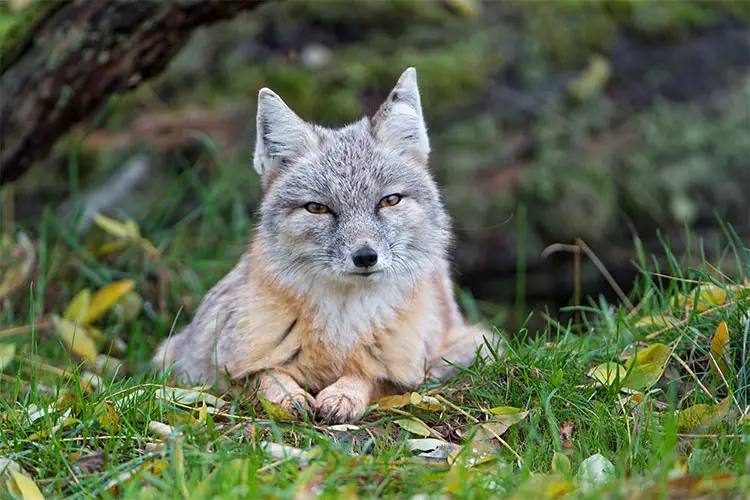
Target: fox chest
(384, 354)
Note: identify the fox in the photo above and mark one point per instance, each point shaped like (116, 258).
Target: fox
(344, 294)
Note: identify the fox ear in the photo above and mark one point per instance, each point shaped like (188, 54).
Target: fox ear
(399, 122)
(281, 135)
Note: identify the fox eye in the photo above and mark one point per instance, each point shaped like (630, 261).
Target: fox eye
(390, 200)
(317, 208)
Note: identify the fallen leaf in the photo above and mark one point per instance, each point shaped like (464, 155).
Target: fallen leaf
(429, 403)
(648, 366)
(7, 465)
(504, 417)
(703, 416)
(414, 425)
(280, 452)
(560, 463)
(7, 354)
(109, 420)
(117, 229)
(710, 296)
(189, 396)
(154, 467)
(424, 445)
(93, 462)
(396, 401)
(544, 486)
(106, 297)
(566, 434)
(343, 428)
(160, 429)
(75, 337)
(65, 422)
(595, 470)
(720, 351)
(608, 373)
(276, 412)
(78, 307)
(22, 486)
(660, 321)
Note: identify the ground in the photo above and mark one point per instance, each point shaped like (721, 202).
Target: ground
(567, 410)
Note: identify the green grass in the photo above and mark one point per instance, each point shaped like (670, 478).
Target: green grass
(220, 453)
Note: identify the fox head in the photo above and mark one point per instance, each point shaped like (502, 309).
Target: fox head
(353, 207)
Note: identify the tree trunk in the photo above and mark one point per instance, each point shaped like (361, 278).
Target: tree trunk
(80, 53)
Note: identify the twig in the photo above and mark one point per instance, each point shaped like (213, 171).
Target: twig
(695, 377)
(580, 245)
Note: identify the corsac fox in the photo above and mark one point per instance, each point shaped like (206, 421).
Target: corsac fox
(344, 294)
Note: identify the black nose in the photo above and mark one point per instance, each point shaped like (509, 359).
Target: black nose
(365, 257)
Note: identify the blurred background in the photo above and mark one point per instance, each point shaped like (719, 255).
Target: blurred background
(620, 125)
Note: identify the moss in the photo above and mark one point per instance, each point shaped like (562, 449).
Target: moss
(16, 29)
(597, 22)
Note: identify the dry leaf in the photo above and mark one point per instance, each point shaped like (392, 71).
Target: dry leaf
(343, 428)
(22, 486)
(415, 426)
(648, 366)
(7, 354)
(66, 422)
(109, 419)
(160, 429)
(6, 465)
(397, 401)
(280, 452)
(106, 297)
(720, 351)
(702, 416)
(504, 417)
(75, 337)
(566, 434)
(153, 466)
(78, 307)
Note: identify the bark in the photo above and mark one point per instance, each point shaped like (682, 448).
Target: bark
(82, 52)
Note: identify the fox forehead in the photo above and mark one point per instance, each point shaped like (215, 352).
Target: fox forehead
(347, 168)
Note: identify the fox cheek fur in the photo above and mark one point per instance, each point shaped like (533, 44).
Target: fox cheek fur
(345, 293)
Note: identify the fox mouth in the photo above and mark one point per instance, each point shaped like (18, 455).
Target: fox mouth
(365, 274)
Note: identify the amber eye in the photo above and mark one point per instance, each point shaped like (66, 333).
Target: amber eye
(390, 200)
(317, 208)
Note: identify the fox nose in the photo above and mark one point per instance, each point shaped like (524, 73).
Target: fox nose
(365, 257)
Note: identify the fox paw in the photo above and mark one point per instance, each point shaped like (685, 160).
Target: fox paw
(297, 403)
(335, 405)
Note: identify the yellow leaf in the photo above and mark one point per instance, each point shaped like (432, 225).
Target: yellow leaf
(710, 296)
(115, 228)
(499, 424)
(661, 321)
(430, 404)
(109, 420)
(276, 412)
(468, 9)
(75, 337)
(78, 307)
(592, 80)
(23, 487)
(107, 297)
(720, 351)
(654, 354)
(394, 401)
(45, 433)
(414, 425)
(131, 305)
(703, 416)
(608, 373)
(560, 463)
(7, 353)
(203, 413)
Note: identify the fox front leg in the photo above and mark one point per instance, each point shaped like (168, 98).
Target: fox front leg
(344, 400)
(279, 387)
